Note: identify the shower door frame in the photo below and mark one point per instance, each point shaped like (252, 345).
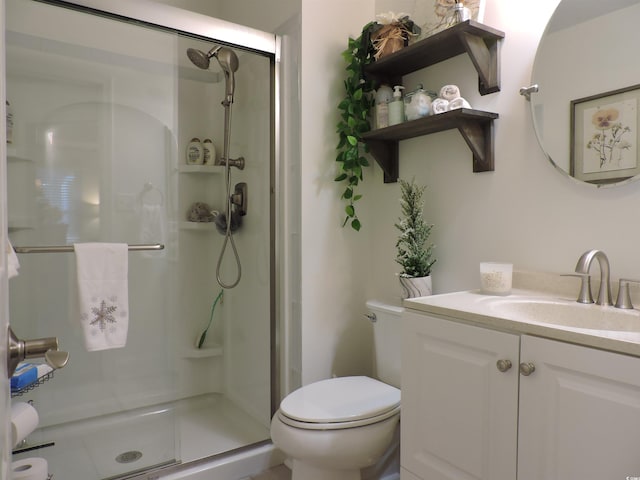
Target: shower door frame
(245, 38)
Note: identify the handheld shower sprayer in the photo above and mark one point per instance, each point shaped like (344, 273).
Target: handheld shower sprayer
(228, 61)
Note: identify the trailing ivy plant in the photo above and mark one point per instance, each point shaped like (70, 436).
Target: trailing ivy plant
(354, 120)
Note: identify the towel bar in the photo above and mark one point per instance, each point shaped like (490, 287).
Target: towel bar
(69, 248)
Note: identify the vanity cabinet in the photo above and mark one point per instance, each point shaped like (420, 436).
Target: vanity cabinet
(458, 410)
(468, 412)
(579, 413)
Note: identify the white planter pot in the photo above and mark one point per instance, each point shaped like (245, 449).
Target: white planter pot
(416, 287)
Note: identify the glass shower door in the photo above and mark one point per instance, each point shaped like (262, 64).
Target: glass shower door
(104, 110)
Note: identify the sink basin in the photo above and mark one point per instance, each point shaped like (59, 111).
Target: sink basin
(565, 313)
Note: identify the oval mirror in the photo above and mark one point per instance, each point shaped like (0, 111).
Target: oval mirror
(585, 111)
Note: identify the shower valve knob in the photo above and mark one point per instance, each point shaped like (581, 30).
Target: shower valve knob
(234, 162)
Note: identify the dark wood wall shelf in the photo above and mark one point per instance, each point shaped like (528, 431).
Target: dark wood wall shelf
(482, 44)
(475, 126)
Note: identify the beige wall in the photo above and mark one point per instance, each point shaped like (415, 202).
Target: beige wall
(336, 338)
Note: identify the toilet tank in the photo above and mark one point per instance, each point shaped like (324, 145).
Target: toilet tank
(386, 341)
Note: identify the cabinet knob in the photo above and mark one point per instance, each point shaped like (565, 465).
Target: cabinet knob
(527, 369)
(503, 365)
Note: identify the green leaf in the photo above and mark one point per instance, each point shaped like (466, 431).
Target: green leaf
(352, 140)
(357, 197)
(355, 224)
(348, 193)
(340, 177)
(350, 210)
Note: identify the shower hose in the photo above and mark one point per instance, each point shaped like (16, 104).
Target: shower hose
(228, 236)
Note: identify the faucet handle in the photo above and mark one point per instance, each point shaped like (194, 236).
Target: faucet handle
(585, 286)
(624, 299)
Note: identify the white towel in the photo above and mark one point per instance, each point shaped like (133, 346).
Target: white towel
(103, 295)
(439, 105)
(449, 92)
(13, 265)
(458, 103)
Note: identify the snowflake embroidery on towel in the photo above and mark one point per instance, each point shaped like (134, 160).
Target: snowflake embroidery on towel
(103, 315)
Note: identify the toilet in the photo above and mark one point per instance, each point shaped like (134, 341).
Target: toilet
(334, 428)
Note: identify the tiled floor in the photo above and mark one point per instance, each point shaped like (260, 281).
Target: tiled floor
(280, 472)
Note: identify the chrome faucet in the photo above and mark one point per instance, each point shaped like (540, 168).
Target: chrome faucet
(582, 268)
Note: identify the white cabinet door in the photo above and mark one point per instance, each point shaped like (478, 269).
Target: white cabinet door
(459, 412)
(579, 413)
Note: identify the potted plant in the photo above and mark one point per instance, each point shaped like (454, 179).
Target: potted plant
(354, 120)
(413, 254)
(377, 39)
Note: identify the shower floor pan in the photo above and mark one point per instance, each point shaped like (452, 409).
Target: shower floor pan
(122, 444)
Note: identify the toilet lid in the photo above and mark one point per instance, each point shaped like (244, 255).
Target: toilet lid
(341, 399)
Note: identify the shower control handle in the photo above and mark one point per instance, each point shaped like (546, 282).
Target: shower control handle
(18, 350)
(233, 162)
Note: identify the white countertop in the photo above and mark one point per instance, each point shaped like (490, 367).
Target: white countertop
(475, 308)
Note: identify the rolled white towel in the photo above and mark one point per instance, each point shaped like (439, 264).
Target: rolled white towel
(449, 92)
(439, 105)
(458, 103)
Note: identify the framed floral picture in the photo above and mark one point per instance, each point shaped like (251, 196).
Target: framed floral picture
(604, 136)
(433, 16)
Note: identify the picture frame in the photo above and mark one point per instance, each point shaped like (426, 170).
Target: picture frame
(604, 136)
(433, 16)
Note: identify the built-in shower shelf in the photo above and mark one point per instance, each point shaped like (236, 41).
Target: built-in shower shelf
(202, 226)
(208, 352)
(200, 169)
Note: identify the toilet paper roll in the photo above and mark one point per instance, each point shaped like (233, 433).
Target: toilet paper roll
(24, 420)
(33, 468)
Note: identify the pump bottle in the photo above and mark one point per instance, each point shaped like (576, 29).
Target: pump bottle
(383, 97)
(396, 107)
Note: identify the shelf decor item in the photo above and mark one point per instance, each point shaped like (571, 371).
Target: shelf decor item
(354, 120)
(413, 254)
(375, 40)
(392, 33)
(437, 15)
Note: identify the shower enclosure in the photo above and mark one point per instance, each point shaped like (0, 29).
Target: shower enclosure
(104, 109)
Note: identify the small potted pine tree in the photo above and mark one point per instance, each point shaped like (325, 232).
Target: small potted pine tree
(413, 254)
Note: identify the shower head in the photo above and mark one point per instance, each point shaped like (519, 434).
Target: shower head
(199, 58)
(227, 59)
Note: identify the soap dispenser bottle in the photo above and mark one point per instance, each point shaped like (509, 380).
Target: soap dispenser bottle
(383, 97)
(396, 107)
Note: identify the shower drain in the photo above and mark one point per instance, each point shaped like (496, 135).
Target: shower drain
(128, 457)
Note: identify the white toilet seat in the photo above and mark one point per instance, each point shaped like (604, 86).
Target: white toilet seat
(340, 403)
(336, 425)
